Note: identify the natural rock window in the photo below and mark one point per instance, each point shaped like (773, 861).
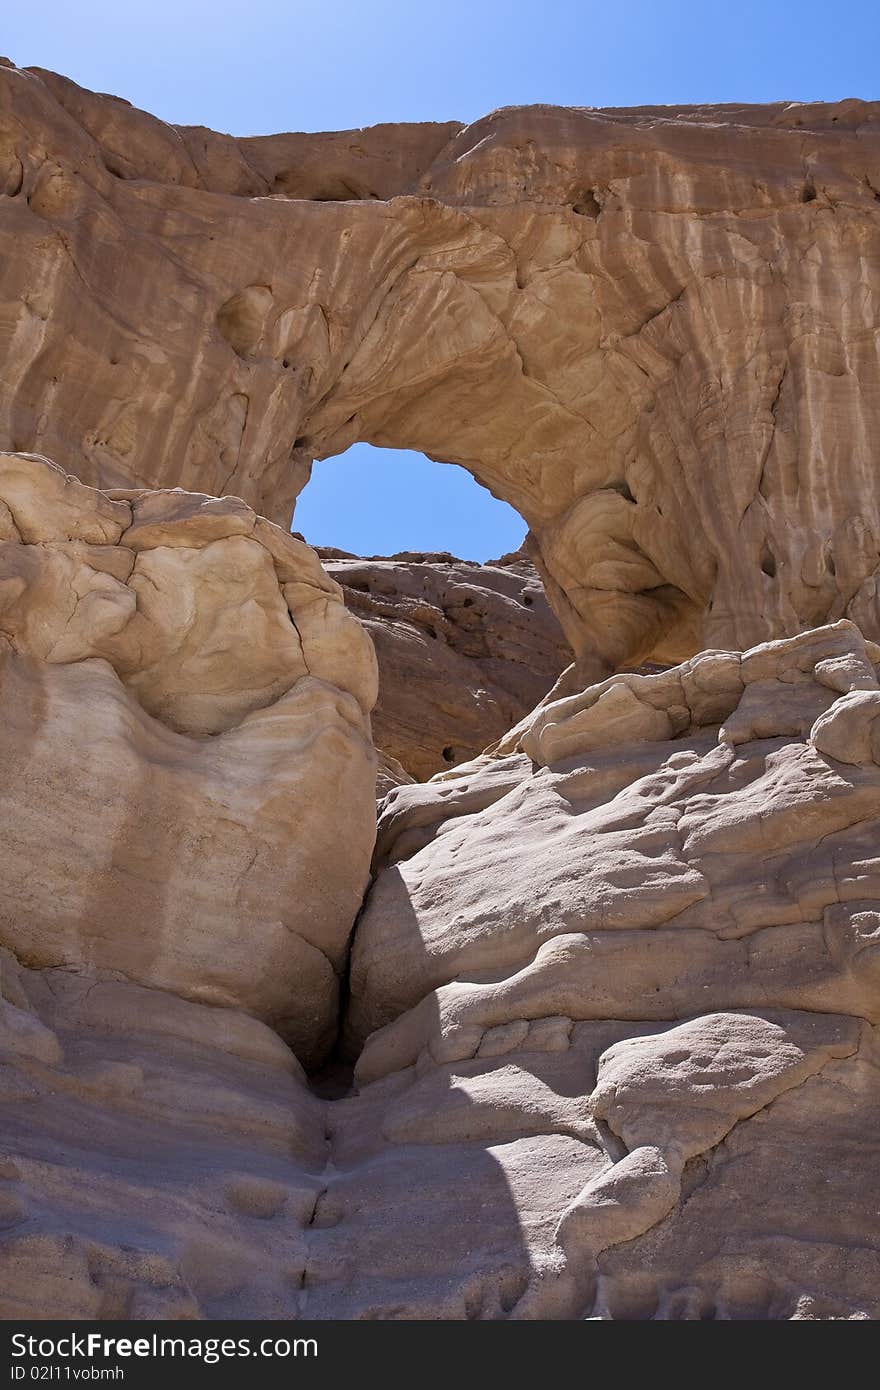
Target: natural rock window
(374, 501)
(466, 646)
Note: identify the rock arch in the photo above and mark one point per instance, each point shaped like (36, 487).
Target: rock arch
(653, 331)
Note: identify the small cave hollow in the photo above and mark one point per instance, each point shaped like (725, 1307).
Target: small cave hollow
(587, 204)
(768, 562)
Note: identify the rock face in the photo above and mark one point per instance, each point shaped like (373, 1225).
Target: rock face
(695, 845)
(464, 651)
(615, 1025)
(653, 331)
(185, 737)
(612, 998)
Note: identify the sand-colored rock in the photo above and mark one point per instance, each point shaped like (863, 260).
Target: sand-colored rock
(573, 890)
(651, 330)
(660, 869)
(613, 994)
(658, 1110)
(198, 1177)
(464, 651)
(614, 991)
(185, 743)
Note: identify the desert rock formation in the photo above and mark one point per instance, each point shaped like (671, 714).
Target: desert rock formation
(677, 308)
(614, 1019)
(610, 1000)
(464, 651)
(695, 845)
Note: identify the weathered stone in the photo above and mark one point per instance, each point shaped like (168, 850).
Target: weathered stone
(650, 330)
(614, 992)
(464, 651)
(182, 752)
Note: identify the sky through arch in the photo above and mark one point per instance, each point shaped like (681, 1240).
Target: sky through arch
(379, 501)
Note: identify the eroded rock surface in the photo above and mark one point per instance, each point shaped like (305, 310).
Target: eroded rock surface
(614, 1018)
(653, 331)
(615, 989)
(464, 651)
(165, 1160)
(697, 853)
(185, 742)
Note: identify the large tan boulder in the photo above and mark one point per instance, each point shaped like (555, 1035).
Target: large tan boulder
(614, 1020)
(619, 873)
(185, 746)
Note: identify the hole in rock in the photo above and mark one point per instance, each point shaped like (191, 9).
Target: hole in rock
(449, 753)
(808, 193)
(587, 205)
(768, 562)
(381, 502)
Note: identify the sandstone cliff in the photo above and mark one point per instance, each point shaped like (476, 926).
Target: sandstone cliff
(611, 997)
(613, 1006)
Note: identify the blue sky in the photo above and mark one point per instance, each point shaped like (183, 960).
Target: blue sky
(268, 65)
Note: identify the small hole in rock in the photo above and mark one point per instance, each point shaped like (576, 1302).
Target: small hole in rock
(587, 205)
(468, 603)
(768, 562)
(449, 754)
(301, 441)
(286, 362)
(808, 192)
(528, 600)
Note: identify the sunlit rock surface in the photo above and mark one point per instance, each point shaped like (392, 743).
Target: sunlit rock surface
(185, 743)
(651, 330)
(609, 1005)
(613, 1020)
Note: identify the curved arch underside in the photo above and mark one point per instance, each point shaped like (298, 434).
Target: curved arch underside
(653, 332)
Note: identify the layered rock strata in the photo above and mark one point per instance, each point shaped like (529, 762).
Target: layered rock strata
(612, 997)
(613, 1011)
(653, 331)
(464, 651)
(649, 921)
